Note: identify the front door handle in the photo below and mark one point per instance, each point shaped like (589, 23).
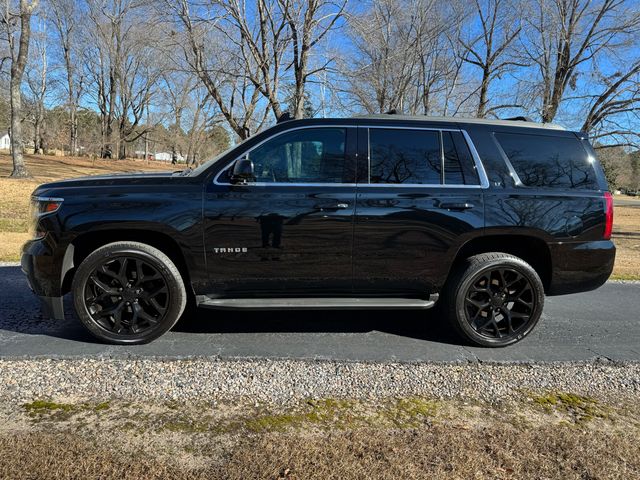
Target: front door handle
(331, 207)
(456, 206)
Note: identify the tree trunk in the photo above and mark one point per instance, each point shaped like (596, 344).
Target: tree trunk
(19, 167)
(37, 140)
(17, 70)
(484, 89)
(73, 130)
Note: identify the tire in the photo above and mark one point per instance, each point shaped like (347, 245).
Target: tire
(138, 311)
(494, 299)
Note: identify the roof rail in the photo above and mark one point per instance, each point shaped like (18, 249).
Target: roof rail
(519, 119)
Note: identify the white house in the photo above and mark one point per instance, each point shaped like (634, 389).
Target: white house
(166, 157)
(5, 141)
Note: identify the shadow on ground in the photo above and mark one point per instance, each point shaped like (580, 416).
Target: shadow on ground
(19, 313)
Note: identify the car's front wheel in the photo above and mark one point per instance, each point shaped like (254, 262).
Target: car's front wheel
(128, 293)
(494, 299)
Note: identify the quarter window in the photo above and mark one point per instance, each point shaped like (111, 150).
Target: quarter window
(313, 155)
(459, 168)
(404, 156)
(549, 161)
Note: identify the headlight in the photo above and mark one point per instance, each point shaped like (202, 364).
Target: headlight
(41, 206)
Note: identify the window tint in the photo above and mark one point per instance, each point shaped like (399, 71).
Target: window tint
(404, 156)
(545, 161)
(459, 168)
(313, 155)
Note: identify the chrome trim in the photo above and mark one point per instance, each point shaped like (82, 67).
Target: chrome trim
(505, 158)
(286, 184)
(46, 199)
(484, 181)
(414, 185)
(482, 173)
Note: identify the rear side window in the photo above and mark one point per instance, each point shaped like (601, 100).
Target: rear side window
(404, 156)
(459, 168)
(546, 161)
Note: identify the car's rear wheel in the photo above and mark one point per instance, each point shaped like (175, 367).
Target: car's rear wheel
(494, 299)
(128, 293)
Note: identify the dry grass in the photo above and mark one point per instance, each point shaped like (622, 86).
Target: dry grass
(45, 168)
(626, 234)
(15, 194)
(448, 440)
(14, 205)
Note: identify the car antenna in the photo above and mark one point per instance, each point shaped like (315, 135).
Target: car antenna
(519, 119)
(285, 117)
(393, 111)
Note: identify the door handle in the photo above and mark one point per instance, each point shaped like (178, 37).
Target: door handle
(331, 207)
(456, 206)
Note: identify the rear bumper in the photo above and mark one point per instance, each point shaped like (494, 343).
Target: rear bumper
(580, 267)
(43, 275)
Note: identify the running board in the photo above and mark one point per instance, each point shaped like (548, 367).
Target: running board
(314, 303)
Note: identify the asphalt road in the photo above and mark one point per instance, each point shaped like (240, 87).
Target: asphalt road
(626, 202)
(602, 324)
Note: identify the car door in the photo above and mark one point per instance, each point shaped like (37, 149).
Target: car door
(289, 232)
(421, 201)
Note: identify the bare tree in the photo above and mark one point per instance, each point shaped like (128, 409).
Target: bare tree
(613, 108)
(259, 44)
(406, 56)
(17, 26)
(205, 53)
(37, 77)
(564, 36)
(124, 68)
(309, 23)
(382, 70)
(489, 49)
(65, 19)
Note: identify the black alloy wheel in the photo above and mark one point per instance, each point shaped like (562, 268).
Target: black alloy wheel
(499, 302)
(128, 293)
(494, 299)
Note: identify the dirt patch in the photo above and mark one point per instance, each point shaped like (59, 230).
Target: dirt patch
(542, 435)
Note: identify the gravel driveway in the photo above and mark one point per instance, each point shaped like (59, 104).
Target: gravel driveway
(587, 344)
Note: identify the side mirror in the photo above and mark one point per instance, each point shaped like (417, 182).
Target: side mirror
(242, 171)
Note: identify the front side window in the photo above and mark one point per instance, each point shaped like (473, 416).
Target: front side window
(549, 161)
(404, 156)
(312, 155)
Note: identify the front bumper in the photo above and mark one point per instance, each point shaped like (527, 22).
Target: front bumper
(43, 274)
(580, 266)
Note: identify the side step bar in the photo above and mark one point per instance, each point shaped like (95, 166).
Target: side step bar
(314, 303)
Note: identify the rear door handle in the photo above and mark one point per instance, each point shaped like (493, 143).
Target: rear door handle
(456, 206)
(331, 207)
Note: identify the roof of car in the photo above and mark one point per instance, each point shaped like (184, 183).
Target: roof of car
(483, 121)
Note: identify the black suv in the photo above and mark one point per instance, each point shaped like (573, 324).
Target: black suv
(383, 212)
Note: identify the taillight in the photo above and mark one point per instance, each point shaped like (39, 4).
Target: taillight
(608, 226)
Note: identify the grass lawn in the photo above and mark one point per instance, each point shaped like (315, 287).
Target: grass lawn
(15, 194)
(14, 205)
(544, 435)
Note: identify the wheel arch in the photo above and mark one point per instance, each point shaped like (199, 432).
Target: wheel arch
(531, 249)
(87, 242)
